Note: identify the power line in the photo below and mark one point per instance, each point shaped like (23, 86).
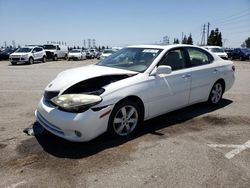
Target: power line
(232, 16)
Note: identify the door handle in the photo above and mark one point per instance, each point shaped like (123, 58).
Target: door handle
(186, 76)
(215, 70)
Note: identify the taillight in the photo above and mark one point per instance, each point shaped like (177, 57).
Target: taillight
(233, 68)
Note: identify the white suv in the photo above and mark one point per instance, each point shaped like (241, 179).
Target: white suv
(28, 55)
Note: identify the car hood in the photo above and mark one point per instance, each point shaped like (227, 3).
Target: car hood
(19, 54)
(221, 53)
(70, 77)
(75, 53)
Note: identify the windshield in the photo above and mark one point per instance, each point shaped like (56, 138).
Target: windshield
(108, 51)
(218, 50)
(75, 51)
(7, 50)
(24, 50)
(49, 47)
(246, 50)
(134, 59)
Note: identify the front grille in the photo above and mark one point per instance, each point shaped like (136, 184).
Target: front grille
(49, 54)
(49, 95)
(15, 59)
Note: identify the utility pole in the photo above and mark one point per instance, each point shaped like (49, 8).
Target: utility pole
(208, 24)
(181, 37)
(203, 35)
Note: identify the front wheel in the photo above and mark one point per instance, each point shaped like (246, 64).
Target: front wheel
(31, 60)
(216, 93)
(44, 59)
(125, 119)
(13, 63)
(55, 58)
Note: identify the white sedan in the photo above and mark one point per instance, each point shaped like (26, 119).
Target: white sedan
(135, 84)
(76, 54)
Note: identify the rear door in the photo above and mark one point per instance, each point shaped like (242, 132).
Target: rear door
(204, 74)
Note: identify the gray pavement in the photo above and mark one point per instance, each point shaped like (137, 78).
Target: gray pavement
(198, 146)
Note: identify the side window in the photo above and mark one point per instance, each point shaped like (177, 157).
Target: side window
(35, 50)
(175, 59)
(39, 49)
(198, 57)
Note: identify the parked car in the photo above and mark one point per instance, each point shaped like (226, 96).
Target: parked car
(229, 53)
(28, 55)
(135, 84)
(106, 53)
(241, 54)
(56, 51)
(94, 52)
(89, 54)
(218, 51)
(76, 54)
(5, 54)
(98, 55)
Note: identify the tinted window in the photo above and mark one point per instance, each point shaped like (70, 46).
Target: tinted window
(198, 57)
(39, 49)
(174, 59)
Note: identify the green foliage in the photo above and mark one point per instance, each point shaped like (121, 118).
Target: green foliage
(176, 41)
(247, 42)
(190, 39)
(215, 38)
(184, 40)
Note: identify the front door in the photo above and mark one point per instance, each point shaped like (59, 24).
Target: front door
(170, 91)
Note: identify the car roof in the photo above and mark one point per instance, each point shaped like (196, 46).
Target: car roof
(164, 46)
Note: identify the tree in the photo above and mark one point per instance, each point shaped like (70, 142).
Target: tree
(176, 41)
(190, 39)
(184, 40)
(246, 43)
(215, 38)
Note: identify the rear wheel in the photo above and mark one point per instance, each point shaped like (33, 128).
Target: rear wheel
(125, 119)
(13, 63)
(216, 93)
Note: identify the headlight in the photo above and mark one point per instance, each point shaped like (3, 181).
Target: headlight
(76, 102)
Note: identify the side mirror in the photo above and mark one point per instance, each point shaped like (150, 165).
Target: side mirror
(163, 69)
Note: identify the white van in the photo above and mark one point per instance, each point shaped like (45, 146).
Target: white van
(218, 51)
(54, 51)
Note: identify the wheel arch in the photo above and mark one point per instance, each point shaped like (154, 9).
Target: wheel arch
(222, 81)
(136, 99)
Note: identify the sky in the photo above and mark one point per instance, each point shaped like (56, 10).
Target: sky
(121, 22)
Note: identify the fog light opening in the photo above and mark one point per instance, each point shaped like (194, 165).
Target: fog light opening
(78, 134)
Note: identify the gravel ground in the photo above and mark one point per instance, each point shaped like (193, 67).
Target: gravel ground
(170, 151)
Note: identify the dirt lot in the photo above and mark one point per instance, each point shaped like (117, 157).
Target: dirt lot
(178, 149)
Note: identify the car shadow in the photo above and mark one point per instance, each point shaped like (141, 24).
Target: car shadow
(65, 149)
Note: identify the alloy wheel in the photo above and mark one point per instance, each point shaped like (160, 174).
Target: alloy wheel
(125, 120)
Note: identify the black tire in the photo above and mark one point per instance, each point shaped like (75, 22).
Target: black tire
(241, 58)
(31, 60)
(55, 58)
(133, 122)
(216, 93)
(13, 63)
(44, 59)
